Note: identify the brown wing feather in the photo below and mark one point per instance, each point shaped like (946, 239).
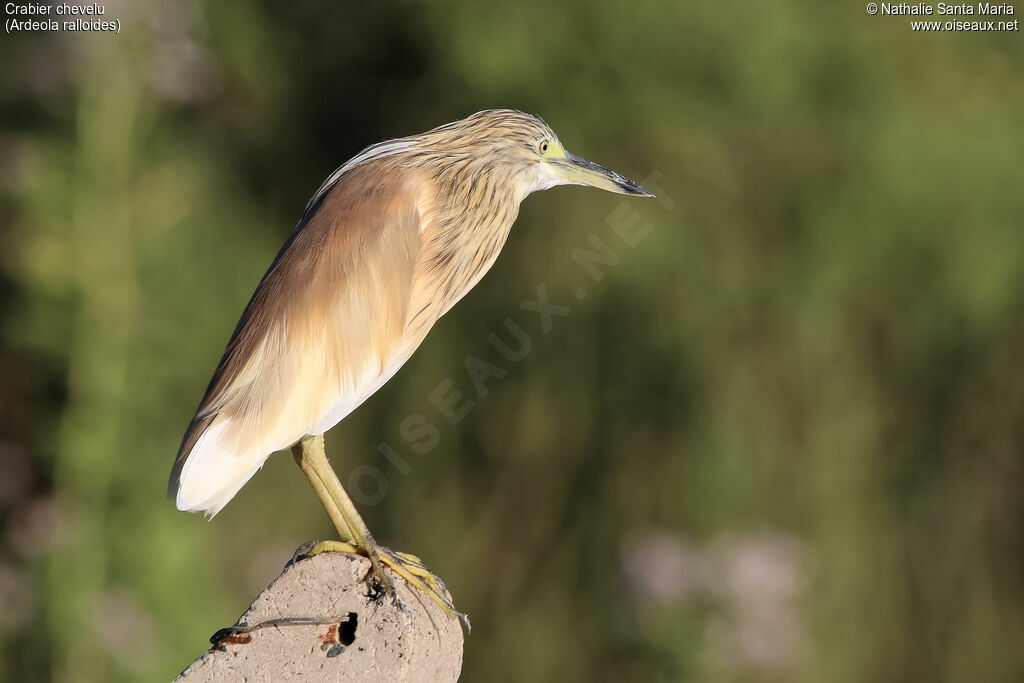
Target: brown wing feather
(342, 279)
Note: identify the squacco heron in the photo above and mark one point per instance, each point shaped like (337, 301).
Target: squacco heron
(386, 246)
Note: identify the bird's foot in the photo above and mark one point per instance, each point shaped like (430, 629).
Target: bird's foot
(408, 566)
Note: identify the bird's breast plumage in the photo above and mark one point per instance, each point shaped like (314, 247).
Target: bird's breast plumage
(465, 225)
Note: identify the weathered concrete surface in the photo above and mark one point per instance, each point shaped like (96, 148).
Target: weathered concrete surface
(381, 643)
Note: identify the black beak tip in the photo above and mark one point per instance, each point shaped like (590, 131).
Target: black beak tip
(635, 189)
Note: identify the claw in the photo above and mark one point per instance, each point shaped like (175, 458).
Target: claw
(408, 566)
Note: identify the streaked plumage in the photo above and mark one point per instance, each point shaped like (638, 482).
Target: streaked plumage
(387, 245)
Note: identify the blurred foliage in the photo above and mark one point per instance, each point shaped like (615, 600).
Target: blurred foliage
(779, 440)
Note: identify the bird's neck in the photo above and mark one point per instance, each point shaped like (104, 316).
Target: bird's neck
(473, 209)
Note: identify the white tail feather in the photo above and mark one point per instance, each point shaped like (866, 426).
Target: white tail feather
(215, 470)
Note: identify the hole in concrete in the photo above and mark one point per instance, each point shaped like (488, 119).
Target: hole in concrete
(347, 629)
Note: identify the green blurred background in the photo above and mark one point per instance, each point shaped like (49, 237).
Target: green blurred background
(780, 440)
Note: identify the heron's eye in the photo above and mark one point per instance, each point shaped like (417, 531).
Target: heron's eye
(543, 146)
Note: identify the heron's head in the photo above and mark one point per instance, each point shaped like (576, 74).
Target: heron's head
(524, 149)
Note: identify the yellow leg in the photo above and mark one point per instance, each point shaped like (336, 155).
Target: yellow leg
(333, 512)
(355, 536)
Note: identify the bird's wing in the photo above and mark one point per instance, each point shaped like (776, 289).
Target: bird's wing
(320, 333)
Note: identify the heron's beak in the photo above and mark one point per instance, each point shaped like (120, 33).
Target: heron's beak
(578, 171)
